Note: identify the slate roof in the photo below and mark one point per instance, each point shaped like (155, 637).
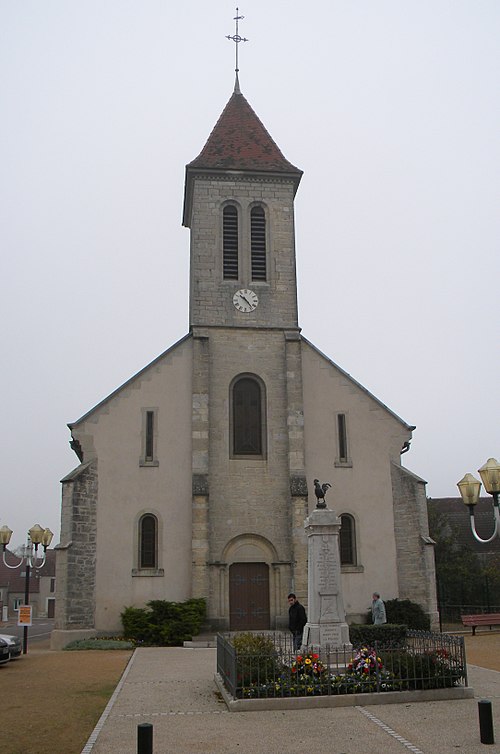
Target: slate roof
(457, 515)
(239, 141)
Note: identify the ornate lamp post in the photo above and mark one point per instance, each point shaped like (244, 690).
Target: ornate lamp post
(470, 487)
(36, 536)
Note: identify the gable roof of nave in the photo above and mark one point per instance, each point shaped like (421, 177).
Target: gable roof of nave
(357, 384)
(140, 374)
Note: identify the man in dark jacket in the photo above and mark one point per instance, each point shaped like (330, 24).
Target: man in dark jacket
(297, 619)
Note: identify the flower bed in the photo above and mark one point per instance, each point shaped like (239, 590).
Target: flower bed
(429, 662)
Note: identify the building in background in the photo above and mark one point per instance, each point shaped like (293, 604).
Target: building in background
(196, 475)
(42, 587)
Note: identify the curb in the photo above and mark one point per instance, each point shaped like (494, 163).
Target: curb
(341, 700)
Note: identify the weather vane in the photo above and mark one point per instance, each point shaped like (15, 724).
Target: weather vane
(236, 37)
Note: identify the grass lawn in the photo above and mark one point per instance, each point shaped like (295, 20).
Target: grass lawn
(51, 701)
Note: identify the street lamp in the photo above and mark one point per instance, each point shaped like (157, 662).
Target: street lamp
(469, 488)
(36, 536)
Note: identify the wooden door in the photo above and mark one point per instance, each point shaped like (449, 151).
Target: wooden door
(249, 597)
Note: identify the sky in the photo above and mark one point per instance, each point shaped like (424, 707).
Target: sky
(391, 109)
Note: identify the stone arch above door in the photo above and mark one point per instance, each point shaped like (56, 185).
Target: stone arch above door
(249, 548)
(250, 559)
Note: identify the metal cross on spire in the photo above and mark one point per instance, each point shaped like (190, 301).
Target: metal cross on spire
(237, 39)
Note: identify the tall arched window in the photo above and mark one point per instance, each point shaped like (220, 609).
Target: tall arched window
(230, 242)
(247, 408)
(258, 243)
(347, 540)
(148, 539)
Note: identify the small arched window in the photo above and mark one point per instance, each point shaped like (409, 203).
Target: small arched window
(148, 539)
(347, 540)
(247, 418)
(258, 243)
(230, 242)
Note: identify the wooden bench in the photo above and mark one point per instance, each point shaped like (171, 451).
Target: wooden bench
(483, 619)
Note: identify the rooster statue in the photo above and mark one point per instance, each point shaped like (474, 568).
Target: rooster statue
(320, 491)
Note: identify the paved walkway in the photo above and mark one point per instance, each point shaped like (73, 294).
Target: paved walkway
(173, 689)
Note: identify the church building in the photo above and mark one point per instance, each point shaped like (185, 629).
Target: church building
(196, 475)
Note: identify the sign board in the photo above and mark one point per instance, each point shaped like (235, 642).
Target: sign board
(24, 615)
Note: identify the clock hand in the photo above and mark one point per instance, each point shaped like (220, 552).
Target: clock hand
(246, 300)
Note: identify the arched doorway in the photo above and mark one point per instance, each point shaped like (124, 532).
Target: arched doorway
(249, 597)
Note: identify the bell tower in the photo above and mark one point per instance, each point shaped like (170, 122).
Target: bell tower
(249, 487)
(238, 204)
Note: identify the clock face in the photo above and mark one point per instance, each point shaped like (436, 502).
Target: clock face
(245, 300)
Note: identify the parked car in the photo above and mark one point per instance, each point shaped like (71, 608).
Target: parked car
(14, 643)
(4, 652)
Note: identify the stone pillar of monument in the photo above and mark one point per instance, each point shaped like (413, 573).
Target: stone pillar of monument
(326, 615)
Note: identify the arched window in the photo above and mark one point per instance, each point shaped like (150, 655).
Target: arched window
(247, 409)
(258, 243)
(148, 538)
(230, 242)
(347, 540)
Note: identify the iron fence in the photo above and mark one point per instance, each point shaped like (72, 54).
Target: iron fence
(269, 668)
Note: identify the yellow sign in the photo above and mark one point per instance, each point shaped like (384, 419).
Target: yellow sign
(24, 615)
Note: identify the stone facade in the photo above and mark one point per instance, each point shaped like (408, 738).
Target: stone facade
(77, 552)
(211, 299)
(218, 512)
(415, 548)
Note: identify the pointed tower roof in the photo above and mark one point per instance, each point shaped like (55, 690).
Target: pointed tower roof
(239, 142)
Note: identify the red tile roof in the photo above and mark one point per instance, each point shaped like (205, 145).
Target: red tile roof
(239, 141)
(14, 578)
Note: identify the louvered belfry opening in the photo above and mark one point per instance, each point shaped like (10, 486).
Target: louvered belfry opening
(230, 242)
(258, 243)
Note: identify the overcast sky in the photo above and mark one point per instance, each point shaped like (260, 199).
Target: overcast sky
(390, 107)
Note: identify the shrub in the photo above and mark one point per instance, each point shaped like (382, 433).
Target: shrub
(424, 670)
(164, 624)
(405, 612)
(136, 624)
(257, 659)
(383, 635)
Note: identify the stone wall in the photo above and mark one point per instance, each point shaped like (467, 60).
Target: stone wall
(211, 299)
(76, 554)
(414, 548)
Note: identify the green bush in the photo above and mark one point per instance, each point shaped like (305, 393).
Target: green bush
(385, 634)
(256, 658)
(164, 624)
(424, 670)
(405, 612)
(136, 624)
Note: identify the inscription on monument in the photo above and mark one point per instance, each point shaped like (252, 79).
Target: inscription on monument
(328, 580)
(331, 634)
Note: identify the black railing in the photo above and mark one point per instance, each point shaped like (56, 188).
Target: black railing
(424, 661)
